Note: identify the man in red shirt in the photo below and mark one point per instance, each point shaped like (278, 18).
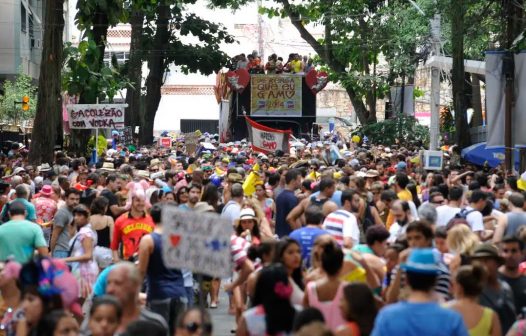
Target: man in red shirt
(130, 227)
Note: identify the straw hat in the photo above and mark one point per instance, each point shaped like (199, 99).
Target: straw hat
(246, 214)
(108, 166)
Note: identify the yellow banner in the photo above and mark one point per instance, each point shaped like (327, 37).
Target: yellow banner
(275, 95)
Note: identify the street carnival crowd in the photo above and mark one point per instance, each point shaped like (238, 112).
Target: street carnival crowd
(329, 238)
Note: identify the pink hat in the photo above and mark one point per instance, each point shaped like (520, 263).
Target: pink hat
(46, 190)
(65, 282)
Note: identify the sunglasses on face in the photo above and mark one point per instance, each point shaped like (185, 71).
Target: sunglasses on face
(193, 327)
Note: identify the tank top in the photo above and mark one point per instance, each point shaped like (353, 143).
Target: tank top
(163, 283)
(483, 328)
(103, 237)
(515, 221)
(330, 309)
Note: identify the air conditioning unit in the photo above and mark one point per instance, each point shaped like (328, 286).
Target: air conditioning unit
(36, 44)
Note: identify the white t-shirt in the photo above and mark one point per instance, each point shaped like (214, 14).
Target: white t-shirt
(342, 224)
(475, 220)
(395, 231)
(445, 213)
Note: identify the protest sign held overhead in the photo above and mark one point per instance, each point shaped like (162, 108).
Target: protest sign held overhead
(276, 95)
(265, 139)
(199, 242)
(91, 116)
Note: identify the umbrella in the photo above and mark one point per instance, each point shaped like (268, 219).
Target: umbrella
(478, 154)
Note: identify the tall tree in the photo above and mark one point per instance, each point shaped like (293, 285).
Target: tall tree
(134, 66)
(458, 10)
(49, 107)
(166, 41)
(157, 66)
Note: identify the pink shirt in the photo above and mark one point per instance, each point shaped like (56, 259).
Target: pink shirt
(330, 309)
(45, 208)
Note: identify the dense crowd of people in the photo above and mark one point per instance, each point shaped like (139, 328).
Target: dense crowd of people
(331, 238)
(295, 64)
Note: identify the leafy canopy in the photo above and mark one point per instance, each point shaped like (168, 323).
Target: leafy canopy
(13, 92)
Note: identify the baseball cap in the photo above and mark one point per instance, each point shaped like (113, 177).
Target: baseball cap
(401, 165)
(422, 261)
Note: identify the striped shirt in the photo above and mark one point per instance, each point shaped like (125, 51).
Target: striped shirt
(342, 224)
(239, 247)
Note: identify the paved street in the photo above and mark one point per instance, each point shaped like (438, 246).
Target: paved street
(223, 322)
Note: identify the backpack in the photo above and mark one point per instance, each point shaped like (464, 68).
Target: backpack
(318, 202)
(459, 218)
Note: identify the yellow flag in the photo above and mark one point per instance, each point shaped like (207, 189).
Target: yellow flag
(249, 186)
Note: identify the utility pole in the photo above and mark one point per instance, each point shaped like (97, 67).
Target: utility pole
(260, 33)
(435, 85)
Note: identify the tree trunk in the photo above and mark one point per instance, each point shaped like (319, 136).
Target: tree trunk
(476, 101)
(157, 66)
(457, 32)
(133, 95)
(49, 106)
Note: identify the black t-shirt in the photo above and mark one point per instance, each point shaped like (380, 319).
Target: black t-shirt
(518, 286)
(87, 197)
(112, 199)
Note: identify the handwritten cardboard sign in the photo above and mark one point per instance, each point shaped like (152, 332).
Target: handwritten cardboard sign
(93, 116)
(196, 241)
(275, 95)
(191, 140)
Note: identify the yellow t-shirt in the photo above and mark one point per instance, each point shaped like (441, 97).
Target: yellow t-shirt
(295, 66)
(405, 195)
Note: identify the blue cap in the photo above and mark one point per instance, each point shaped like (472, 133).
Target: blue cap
(401, 165)
(423, 261)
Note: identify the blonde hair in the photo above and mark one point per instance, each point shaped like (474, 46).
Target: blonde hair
(461, 240)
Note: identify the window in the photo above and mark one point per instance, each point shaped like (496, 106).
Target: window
(23, 15)
(30, 26)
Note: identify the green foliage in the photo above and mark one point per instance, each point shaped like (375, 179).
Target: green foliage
(87, 11)
(401, 129)
(204, 55)
(80, 76)
(13, 92)
(102, 144)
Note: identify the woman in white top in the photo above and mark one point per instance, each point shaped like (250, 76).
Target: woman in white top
(288, 253)
(81, 258)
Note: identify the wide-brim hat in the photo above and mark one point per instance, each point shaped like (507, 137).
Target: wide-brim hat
(108, 166)
(246, 214)
(203, 207)
(46, 190)
(372, 173)
(45, 167)
(487, 250)
(143, 174)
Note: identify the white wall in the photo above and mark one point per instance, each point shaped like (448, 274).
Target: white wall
(173, 108)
